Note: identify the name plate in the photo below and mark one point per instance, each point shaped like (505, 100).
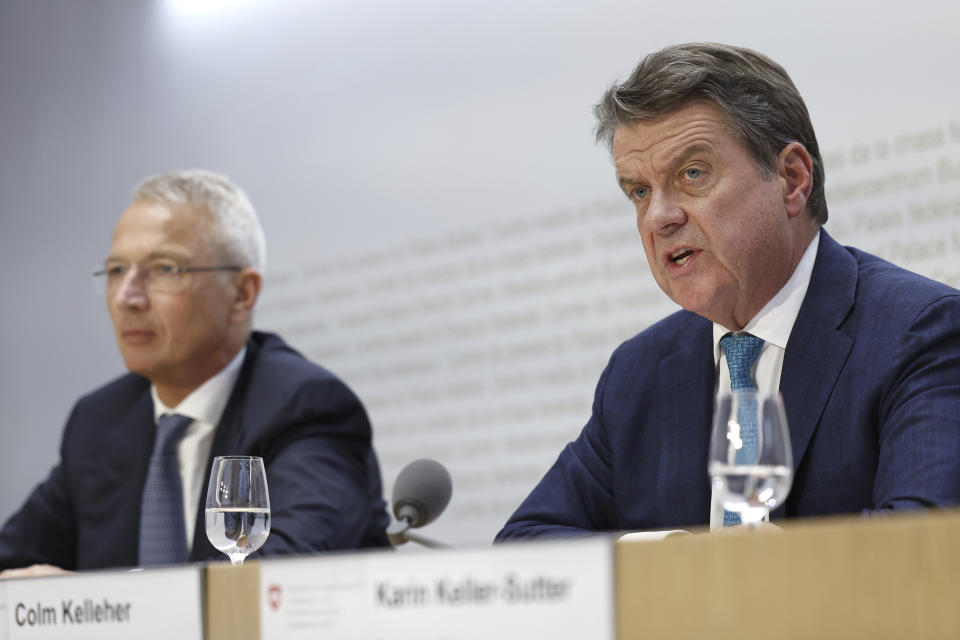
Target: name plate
(533, 590)
(158, 603)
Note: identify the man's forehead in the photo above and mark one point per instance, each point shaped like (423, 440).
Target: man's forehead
(693, 115)
(149, 226)
(698, 128)
(185, 212)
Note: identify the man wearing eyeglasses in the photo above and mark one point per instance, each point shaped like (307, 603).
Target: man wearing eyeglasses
(181, 281)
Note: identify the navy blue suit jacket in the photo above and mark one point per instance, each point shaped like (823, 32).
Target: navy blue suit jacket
(310, 429)
(871, 386)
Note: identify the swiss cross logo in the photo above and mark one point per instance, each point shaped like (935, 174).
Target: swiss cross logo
(274, 596)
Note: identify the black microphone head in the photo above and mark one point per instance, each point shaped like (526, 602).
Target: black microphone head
(422, 491)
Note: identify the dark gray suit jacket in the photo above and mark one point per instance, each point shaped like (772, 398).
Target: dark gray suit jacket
(310, 429)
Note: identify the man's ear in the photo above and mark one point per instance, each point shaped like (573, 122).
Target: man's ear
(248, 284)
(795, 169)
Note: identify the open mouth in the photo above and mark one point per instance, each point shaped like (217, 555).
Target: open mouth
(680, 257)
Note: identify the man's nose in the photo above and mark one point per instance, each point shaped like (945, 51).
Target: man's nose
(664, 215)
(131, 291)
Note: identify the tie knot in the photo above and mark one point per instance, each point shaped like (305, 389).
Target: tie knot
(170, 428)
(742, 350)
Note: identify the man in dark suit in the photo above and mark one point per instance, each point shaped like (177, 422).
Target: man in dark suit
(714, 146)
(181, 281)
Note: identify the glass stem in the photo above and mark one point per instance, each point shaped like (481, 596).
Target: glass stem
(236, 559)
(752, 517)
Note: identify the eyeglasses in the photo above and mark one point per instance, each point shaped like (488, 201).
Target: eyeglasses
(157, 275)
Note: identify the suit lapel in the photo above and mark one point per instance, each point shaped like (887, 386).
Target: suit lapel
(687, 380)
(226, 441)
(817, 351)
(138, 435)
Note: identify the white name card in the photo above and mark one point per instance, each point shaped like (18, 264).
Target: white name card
(533, 590)
(158, 603)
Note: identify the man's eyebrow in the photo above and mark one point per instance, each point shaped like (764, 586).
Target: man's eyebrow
(157, 254)
(626, 184)
(165, 254)
(694, 149)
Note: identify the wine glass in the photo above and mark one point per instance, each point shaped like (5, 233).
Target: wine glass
(238, 506)
(751, 463)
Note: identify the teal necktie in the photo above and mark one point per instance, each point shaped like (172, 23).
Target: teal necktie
(742, 351)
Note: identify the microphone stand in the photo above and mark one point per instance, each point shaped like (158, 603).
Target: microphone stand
(399, 532)
(413, 537)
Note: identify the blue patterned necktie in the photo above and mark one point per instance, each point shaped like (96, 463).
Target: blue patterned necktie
(742, 351)
(162, 536)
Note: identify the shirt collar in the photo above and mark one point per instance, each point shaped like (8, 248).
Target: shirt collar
(207, 402)
(775, 320)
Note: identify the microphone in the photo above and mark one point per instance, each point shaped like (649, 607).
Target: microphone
(420, 494)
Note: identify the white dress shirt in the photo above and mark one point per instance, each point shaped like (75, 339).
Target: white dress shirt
(773, 325)
(205, 405)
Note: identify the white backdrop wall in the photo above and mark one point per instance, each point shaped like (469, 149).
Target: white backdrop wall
(442, 231)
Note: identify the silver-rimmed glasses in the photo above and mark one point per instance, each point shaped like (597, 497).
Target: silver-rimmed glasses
(156, 275)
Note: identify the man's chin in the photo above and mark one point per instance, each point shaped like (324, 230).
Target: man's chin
(140, 366)
(706, 309)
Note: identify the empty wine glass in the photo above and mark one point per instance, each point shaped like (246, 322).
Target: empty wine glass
(750, 463)
(238, 506)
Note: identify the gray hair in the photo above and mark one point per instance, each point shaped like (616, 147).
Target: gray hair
(237, 229)
(761, 103)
